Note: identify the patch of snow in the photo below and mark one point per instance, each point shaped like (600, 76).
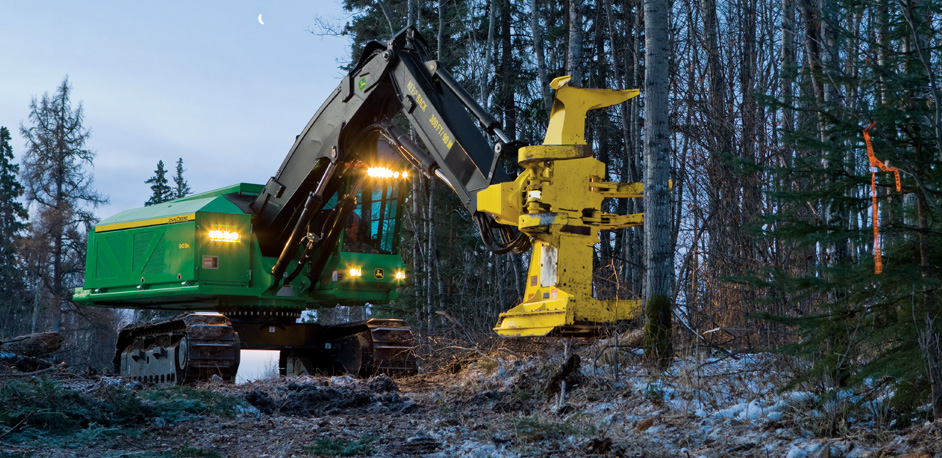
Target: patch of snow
(796, 452)
(342, 380)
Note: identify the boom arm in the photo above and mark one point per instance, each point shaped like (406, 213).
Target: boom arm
(555, 202)
(397, 77)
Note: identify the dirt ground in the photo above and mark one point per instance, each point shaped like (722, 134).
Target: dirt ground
(504, 402)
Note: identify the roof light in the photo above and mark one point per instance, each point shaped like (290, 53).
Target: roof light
(223, 236)
(379, 172)
(383, 172)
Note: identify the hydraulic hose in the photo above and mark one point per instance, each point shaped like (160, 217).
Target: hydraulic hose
(505, 241)
(314, 203)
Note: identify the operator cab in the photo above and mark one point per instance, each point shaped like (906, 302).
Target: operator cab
(373, 225)
(366, 261)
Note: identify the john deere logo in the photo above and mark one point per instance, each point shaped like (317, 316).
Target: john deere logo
(361, 85)
(378, 273)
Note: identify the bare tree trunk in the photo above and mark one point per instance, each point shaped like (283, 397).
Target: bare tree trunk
(811, 20)
(57, 245)
(507, 75)
(441, 31)
(488, 52)
(636, 235)
(434, 276)
(574, 61)
(502, 299)
(418, 14)
(541, 72)
(749, 180)
(657, 225)
(418, 188)
(514, 260)
(925, 59)
(723, 194)
(788, 61)
(929, 339)
(426, 256)
(385, 10)
(37, 306)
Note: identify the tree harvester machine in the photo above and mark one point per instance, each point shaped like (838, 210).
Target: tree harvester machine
(324, 231)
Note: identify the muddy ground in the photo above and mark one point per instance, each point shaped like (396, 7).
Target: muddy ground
(502, 402)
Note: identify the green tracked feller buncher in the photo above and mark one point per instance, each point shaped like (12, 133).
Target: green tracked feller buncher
(324, 231)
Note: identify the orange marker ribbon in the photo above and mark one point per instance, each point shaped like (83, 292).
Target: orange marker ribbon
(875, 164)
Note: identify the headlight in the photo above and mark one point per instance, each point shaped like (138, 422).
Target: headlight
(383, 172)
(400, 275)
(223, 236)
(356, 272)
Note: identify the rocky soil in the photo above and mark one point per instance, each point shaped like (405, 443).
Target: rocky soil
(546, 400)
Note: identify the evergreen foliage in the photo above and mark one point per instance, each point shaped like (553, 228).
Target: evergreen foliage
(181, 188)
(12, 223)
(858, 329)
(59, 186)
(160, 190)
(42, 407)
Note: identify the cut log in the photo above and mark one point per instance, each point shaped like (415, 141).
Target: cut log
(38, 344)
(21, 363)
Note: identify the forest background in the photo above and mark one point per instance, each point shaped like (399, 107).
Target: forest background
(772, 212)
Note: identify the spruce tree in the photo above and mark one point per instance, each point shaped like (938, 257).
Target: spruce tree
(181, 188)
(12, 217)
(855, 327)
(160, 190)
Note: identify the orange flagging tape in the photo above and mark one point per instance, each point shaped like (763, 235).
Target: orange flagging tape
(875, 164)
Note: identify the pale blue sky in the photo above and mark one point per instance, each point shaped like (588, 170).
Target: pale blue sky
(161, 80)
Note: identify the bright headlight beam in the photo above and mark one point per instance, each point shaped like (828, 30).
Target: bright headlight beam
(379, 172)
(356, 272)
(383, 172)
(217, 235)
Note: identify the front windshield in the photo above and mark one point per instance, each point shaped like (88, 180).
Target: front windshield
(373, 225)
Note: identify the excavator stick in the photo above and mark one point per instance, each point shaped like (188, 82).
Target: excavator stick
(557, 201)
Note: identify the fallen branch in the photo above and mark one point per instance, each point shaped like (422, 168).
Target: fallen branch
(28, 374)
(17, 426)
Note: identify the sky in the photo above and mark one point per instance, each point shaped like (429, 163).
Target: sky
(201, 81)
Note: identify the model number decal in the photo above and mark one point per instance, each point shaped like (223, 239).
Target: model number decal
(184, 246)
(437, 125)
(178, 219)
(415, 94)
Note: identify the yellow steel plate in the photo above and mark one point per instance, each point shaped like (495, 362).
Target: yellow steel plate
(146, 223)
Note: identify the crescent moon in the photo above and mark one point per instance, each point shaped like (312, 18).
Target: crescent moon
(260, 20)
